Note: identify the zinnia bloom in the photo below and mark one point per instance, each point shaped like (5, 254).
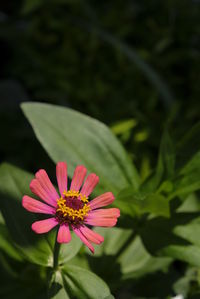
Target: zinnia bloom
(71, 209)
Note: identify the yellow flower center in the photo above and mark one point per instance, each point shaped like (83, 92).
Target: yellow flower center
(76, 194)
(72, 207)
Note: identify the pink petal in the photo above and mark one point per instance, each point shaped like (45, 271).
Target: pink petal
(36, 206)
(104, 222)
(46, 184)
(90, 183)
(43, 226)
(105, 213)
(102, 200)
(83, 239)
(78, 178)
(91, 235)
(38, 190)
(64, 235)
(61, 173)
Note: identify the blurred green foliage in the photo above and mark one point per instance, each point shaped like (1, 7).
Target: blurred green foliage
(113, 61)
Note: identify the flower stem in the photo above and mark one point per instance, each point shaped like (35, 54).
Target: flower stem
(56, 254)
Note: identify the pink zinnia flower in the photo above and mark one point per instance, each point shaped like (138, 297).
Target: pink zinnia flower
(71, 208)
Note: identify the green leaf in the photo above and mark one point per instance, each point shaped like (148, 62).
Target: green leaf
(30, 5)
(83, 283)
(190, 204)
(177, 238)
(167, 154)
(189, 178)
(157, 233)
(189, 232)
(134, 203)
(182, 285)
(188, 145)
(192, 165)
(186, 185)
(6, 244)
(14, 183)
(56, 287)
(68, 251)
(136, 262)
(189, 253)
(126, 256)
(123, 126)
(70, 136)
(165, 165)
(76, 282)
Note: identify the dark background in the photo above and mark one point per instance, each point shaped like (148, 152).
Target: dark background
(113, 60)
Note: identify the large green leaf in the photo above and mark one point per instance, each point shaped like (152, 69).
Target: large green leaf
(135, 203)
(177, 238)
(75, 282)
(14, 183)
(157, 233)
(136, 262)
(6, 244)
(84, 284)
(70, 136)
(189, 253)
(126, 256)
(68, 251)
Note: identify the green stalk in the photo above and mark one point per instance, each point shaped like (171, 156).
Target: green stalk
(56, 254)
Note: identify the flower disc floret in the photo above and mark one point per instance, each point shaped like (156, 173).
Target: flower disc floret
(72, 208)
(75, 194)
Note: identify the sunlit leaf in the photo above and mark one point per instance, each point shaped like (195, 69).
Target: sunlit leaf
(126, 255)
(70, 136)
(135, 203)
(123, 126)
(75, 282)
(68, 251)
